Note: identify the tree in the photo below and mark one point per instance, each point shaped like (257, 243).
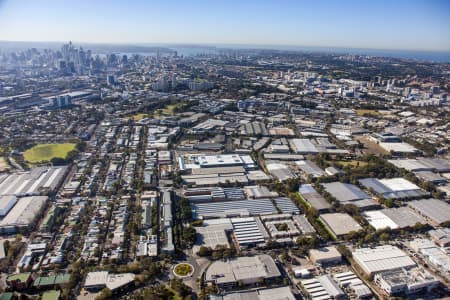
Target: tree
(105, 294)
(204, 251)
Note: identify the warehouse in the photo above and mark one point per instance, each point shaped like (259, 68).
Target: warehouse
(347, 193)
(286, 206)
(349, 280)
(406, 281)
(400, 148)
(225, 160)
(303, 146)
(381, 259)
(279, 293)
(323, 287)
(23, 214)
(309, 168)
(279, 170)
(31, 182)
(215, 179)
(422, 164)
(247, 270)
(233, 208)
(6, 203)
(254, 129)
(393, 218)
(303, 224)
(428, 176)
(393, 188)
(435, 211)
(313, 198)
(213, 233)
(258, 192)
(325, 256)
(249, 232)
(208, 194)
(340, 223)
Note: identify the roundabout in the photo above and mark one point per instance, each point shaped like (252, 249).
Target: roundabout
(183, 270)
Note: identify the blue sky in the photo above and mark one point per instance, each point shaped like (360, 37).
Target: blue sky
(377, 24)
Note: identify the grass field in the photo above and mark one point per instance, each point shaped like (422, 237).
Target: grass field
(138, 117)
(45, 152)
(168, 110)
(361, 112)
(352, 163)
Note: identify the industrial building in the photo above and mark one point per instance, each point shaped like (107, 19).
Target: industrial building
(436, 256)
(393, 218)
(433, 210)
(250, 207)
(313, 198)
(322, 288)
(286, 206)
(279, 293)
(438, 165)
(325, 256)
(208, 194)
(213, 233)
(249, 232)
(303, 224)
(279, 170)
(96, 281)
(382, 258)
(347, 193)
(349, 281)
(247, 270)
(23, 214)
(405, 281)
(339, 223)
(31, 183)
(309, 168)
(224, 160)
(6, 203)
(167, 222)
(303, 146)
(393, 188)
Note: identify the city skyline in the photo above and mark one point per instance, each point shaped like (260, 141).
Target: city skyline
(403, 25)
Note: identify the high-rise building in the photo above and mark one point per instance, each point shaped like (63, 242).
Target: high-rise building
(110, 80)
(174, 81)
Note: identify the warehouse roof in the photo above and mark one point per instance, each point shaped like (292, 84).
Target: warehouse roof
(303, 146)
(242, 268)
(316, 200)
(340, 223)
(213, 233)
(30, 182)
(436, 210)
(393, 218)
(24, 212)
(233, 208)
(310, 168)
(347, 193)
(393, 188)
(382, 258)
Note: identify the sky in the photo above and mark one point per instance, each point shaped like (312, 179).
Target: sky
(376, 24)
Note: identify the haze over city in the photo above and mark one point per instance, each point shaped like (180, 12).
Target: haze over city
(405, 25)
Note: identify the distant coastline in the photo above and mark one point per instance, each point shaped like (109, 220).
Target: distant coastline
(193, 49)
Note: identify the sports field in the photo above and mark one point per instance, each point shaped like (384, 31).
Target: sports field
(45, 152)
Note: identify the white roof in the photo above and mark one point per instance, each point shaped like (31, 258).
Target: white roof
(378, 220)
(399, 184)
(382, 258)
(96, 278)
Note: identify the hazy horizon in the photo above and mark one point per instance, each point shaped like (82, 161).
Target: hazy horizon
(383, 25)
